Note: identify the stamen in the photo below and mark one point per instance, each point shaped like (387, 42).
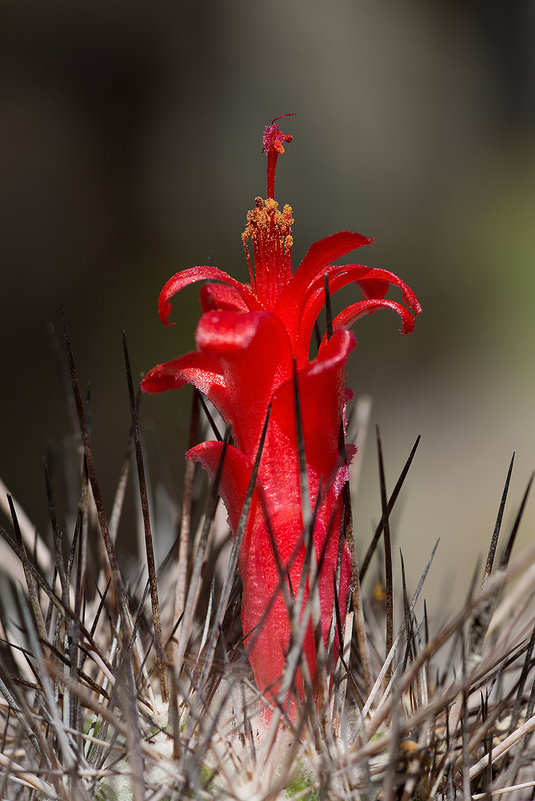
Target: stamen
(271, 235)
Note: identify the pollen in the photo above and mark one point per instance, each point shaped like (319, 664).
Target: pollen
(266, 219)
(287, 214)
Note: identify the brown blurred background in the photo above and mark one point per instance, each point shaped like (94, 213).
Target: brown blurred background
(130, 148)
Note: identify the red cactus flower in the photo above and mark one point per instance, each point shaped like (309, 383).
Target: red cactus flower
(253, 344)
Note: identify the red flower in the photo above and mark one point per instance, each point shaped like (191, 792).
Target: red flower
(248, 340)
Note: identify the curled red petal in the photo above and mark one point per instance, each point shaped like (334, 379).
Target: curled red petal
(373, 283)
(190, 276)
(363, 307)
(195, 368)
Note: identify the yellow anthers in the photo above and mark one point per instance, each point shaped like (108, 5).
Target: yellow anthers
(266, 219)
(287, 214)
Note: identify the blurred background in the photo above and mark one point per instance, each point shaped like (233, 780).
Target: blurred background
(130, 148)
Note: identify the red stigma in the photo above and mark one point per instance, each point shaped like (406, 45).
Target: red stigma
(272, 146)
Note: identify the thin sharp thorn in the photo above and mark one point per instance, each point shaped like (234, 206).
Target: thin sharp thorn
(389, 589)
(210, 418)
(391, 502)
(496, 533)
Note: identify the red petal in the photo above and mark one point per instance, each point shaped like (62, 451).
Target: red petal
(357, 310)
(254, 354)
(225, 332)
(235, 475)
(194, 368)
(325, 251)
(374, 284)
(221, 296)
(193, 274)
(322, 391)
